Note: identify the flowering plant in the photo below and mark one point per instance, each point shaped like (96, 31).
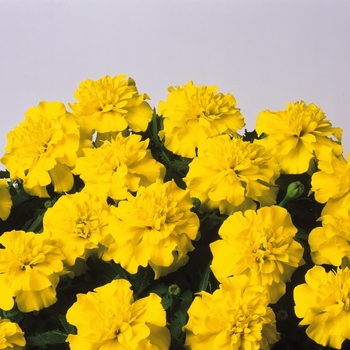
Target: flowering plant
(123, 227)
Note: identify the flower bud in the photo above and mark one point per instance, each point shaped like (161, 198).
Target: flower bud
(294, 191)
(174, 290)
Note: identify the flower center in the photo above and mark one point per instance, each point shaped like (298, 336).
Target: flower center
(30, 259)
(260, 253)
(85, 226)
(237, 324)
(120, 323)
(38, 137)
(158, 211)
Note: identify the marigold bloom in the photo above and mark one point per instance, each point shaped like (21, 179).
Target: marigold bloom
(5, 200)
(324, 304)
(30, 266)
(108, 318)
(118, 166)
(111, 104)
(234, 317)
(43, 149)
(231, 174)
(260, 245)
(331, 183)
(329, 244)
(155, 227)
(297, 135)
(78, 224)
(192, 114)
(11, 335)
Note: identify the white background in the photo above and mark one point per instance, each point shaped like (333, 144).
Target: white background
(266, 53)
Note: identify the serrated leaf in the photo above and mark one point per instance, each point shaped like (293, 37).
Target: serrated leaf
(167, 301)
(142, 280)
(47, 338)
(67, 326)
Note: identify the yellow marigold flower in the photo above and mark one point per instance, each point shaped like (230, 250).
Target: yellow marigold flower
(297, 135)
(108, 318)
(118, 166)
(231, 174)
(324, 304)
(43, 149)
(259, 245)
(30, 266)
(155, 227)
(11, 335)
(234, 317)
(5, 200)
(111, 104)
(329, 244)
(192, 114)
(331, 183)
(78, 224)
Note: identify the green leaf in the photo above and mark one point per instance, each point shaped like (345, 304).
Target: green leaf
(302, 237)
(104, 272)
(35, 224)
(67, 326)
(47, 338)
(20, 197)
(204, 282)
(250, 135)
(141, 280)
(180, 319)
(154, 127)
(4, 174)
(14, 315)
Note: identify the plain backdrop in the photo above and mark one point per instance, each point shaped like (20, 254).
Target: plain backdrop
(266, 53)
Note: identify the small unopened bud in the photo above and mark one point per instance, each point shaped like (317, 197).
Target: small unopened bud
(174, 290)
(282, 315)
(294, 191)
(48, 204)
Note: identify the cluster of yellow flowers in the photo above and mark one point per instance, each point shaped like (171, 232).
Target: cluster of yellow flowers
(131, 212)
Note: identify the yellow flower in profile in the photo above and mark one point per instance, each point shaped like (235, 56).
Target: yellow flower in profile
(108, 318)
(329, 244)
(235, 317)
(154, 228)
(298, 135)
(324, 304)
(43, 149)
(118, 166)
(331, 184)
(259, 244)
(111, 104)
(11, 335)
(30, 266)
(78, 223)
(231, 174)
(192, 114)
(5, 200)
